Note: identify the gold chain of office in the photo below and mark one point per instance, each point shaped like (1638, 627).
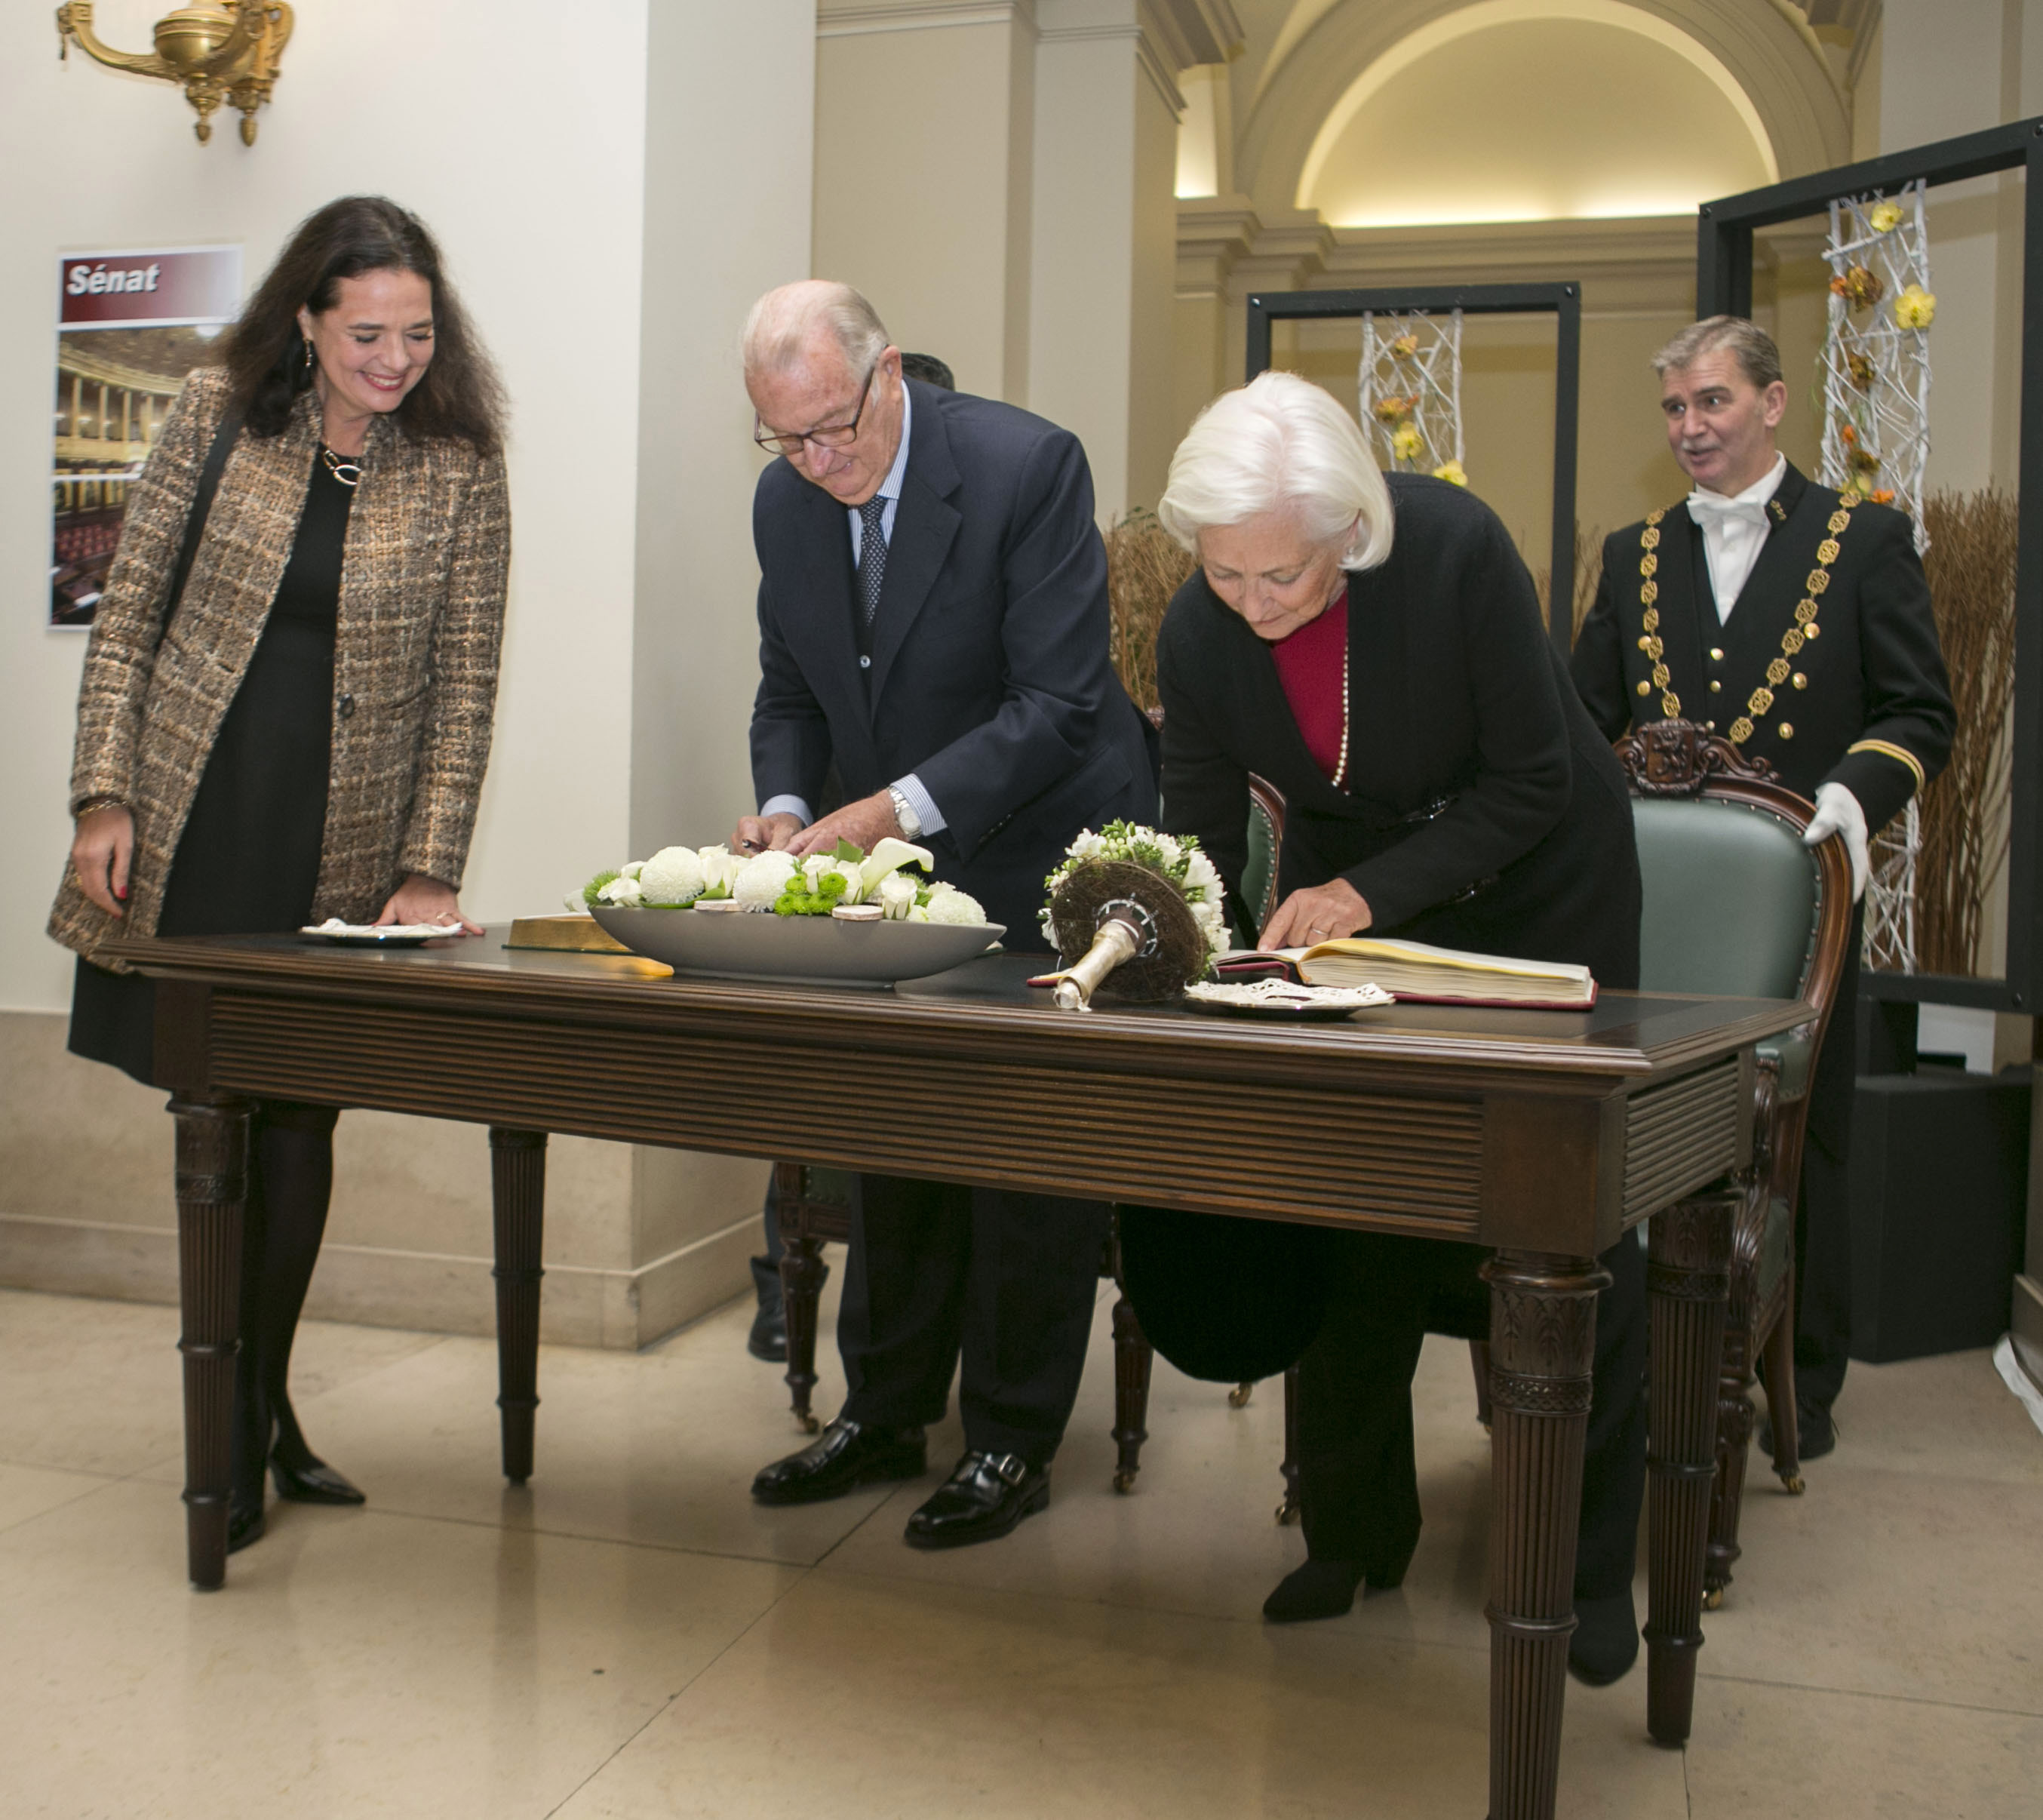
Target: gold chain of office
(1792, 640)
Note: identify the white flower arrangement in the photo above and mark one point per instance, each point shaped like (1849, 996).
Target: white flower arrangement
(677, 877)
(1177, 857)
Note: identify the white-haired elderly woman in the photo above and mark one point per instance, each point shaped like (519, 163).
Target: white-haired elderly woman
(1372, 645)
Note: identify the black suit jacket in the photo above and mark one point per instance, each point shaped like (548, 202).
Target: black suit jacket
(1871, 685)
(989, 676)
(1456, 698)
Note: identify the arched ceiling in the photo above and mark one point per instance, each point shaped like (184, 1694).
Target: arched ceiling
(1536, 110)
(1755, 60)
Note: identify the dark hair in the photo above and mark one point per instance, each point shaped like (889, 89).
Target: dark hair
(929, 369)
(458, 395)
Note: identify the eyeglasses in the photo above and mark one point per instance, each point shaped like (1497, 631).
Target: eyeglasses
(829, 436)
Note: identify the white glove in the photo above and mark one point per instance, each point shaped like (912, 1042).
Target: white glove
(1838, 812)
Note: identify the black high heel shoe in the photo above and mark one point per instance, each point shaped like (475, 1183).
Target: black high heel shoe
(298, 1474)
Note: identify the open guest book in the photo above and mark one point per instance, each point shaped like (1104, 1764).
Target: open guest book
(1412, 971)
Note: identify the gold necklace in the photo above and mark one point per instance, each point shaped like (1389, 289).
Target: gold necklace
(1792, 640)
(345, 469)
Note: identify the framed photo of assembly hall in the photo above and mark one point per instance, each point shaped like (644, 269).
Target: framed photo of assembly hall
(130, 326)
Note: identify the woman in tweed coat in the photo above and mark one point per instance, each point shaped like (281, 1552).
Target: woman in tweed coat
(302, 733)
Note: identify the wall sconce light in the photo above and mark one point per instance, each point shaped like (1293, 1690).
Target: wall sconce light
(224, 52)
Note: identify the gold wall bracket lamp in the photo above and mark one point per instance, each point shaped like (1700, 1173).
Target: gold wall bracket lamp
(227, 52)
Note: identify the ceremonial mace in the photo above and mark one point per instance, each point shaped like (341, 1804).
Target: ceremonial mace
(1137, 937)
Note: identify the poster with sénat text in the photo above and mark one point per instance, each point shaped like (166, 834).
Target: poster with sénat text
(130, 326)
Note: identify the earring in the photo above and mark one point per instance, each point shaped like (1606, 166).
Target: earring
(307, 341)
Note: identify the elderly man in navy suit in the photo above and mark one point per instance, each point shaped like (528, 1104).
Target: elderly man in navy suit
(932, 619)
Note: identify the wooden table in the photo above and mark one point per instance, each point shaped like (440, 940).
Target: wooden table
(1543, 1134)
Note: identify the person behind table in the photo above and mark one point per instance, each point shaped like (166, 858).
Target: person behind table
(302, 734)
(1713, 613)
(767, 1336)
(933, 618)
(1374, 648)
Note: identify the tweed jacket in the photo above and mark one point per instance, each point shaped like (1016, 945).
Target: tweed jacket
(1828, 666)
(416, 647)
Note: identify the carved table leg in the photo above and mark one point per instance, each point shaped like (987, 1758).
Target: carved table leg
(1133, 1360)
(212, 1183)
(802, 1278)
(1541, 1341)
(1688, 1278)
(1734, 1426)
(518, 1184)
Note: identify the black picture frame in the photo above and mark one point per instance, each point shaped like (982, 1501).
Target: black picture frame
(1563, 301)
(1723, 286)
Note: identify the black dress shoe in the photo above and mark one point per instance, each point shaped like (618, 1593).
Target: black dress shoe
(245, 1524)
(1606, 1640)
(1815, 1433)
(845, 1455)
(982, 1501)
(768, 1338)
(312, 1481)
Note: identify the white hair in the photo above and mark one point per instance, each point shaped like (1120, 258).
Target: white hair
(783, 324)
(1280, 443)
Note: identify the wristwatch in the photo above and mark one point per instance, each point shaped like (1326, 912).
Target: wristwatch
(904, 814)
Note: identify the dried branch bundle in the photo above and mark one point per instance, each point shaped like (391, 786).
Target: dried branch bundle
(1589, 572)
(1145, 568)
(1971, 566)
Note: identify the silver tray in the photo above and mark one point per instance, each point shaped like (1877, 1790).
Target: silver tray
(797, 950)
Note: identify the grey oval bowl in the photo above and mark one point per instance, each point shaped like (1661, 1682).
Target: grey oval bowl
(795, 950)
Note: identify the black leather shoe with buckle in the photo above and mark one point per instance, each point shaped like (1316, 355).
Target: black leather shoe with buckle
(985, 1499)
(846, 1455)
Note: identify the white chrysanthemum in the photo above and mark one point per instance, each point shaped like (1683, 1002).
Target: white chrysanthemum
(673, 877)
(762, 879)
(952, 905)
(623, 891)
(1201, 880)
(895, 896)
(719, 866)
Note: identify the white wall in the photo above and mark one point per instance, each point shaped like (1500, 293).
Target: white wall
(521, 147)
(715, 238)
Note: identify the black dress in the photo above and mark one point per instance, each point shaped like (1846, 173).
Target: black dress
(248, 862)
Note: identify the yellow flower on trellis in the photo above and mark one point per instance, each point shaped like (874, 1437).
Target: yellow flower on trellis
(1452, 472)
(1884, 217)
(1404, 347)
(1408, 444)
(1914, 307)
(1394, 408)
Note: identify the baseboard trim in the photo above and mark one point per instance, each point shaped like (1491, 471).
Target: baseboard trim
(2027, 1327)
(432, 1292)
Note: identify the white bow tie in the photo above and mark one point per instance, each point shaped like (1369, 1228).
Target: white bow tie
(1707, 508)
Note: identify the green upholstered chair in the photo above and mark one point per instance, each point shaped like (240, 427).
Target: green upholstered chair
(1735, 904)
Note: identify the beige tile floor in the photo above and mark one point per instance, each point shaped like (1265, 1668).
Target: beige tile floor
(631, 1639)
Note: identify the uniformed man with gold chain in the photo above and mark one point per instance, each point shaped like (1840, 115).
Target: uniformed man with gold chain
(1794, 621)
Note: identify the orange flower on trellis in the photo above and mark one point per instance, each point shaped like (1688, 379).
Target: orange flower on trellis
(1395, 408)
(1860, 286)
(1881, 496)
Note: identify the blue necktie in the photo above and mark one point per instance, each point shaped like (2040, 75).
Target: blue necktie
(871, 554)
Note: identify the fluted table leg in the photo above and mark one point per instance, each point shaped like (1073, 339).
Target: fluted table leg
(212, 1183)
(1688, 1280)
(518, 1185)
(1542, 1342)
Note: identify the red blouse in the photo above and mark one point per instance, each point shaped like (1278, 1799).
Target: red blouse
(1312, 666)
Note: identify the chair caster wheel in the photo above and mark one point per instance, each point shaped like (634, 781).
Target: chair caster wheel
(807, 1423)
(1713, 1597)
(1287, 1515)
(1238, 1397)
(1791, 1483)
(1124, 1480)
